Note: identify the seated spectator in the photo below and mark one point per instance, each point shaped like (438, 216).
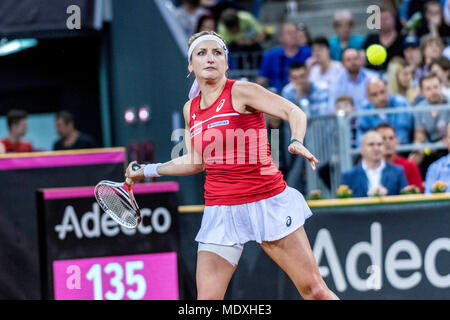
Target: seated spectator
(413, 55)
(433, 22)
(400, 80)
(352, 81)
(274, 69)
(323, 70)
(344, 107)
(439, 170)
(374, 172)
(188, 14)
(431, 48)
(388, 37)
(391, 142)
(206, 23)
(312, 99)
(378, 98)
(70, 137)
(17, 128)
(240, 30)
(430, 126)
(303, 36)
(441, 67)
(343, 25)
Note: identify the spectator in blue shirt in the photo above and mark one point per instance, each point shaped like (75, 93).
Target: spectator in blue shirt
(378, 98)
(310, 97)
(430, 126)
(274, 69)
(440, 169)
(343, 25)
(352, 81)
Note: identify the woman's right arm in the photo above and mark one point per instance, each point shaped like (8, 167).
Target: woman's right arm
(188, 164)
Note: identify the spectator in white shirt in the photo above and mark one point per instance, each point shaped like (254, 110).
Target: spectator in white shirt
(323, 70)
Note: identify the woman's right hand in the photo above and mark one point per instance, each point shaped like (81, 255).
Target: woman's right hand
(300, 149)
(132, 175)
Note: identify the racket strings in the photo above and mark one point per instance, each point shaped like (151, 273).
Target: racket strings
(117, 202)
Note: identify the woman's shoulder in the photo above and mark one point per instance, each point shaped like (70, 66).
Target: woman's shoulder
(187, 111)
(187, 105)
(244, 87)
(243, 93)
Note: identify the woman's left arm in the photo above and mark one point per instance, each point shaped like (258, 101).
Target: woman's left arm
(248, 96)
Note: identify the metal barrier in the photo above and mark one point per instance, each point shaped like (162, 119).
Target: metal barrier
(244, 64)
(329, 138)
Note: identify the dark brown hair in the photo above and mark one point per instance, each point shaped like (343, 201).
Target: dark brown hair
(14, 116)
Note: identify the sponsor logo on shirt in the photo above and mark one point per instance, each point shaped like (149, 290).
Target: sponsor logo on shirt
(218, 123)
(220, 105)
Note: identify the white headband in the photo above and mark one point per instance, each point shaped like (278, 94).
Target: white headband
(195, 89)
(204, 38)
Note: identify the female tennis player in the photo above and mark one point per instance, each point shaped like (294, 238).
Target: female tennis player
(245, 199)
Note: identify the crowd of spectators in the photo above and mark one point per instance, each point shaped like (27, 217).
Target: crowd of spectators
(330, 74)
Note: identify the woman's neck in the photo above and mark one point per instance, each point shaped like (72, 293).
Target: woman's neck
(402, 90)
(211, 90)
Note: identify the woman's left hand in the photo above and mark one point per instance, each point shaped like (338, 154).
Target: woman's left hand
(298, 148)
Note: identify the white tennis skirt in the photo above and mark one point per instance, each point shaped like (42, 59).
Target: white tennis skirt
(264, 220)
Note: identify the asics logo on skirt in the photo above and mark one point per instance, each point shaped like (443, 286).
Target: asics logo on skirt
(288, 221)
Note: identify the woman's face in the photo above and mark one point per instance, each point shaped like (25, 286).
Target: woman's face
(208, 61)
(404, 77)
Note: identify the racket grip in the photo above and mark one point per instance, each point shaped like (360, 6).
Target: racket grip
(128, 183)
(135, 167)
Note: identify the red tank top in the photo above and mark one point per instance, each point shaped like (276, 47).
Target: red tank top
(236, 152)
(20, 146)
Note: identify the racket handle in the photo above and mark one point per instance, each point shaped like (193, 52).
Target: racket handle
(128, 183)
(135, 167)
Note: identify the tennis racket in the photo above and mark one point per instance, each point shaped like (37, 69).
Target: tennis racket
(117, 200)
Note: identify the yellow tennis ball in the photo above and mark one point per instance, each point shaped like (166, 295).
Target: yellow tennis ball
(376, 54)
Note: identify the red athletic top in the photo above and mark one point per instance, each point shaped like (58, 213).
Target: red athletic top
(412, 172)
(236, 152)
(20, 146)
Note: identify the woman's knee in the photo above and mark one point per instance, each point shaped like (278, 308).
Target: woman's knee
(315, 290)
(209, 296)
(205, 292)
